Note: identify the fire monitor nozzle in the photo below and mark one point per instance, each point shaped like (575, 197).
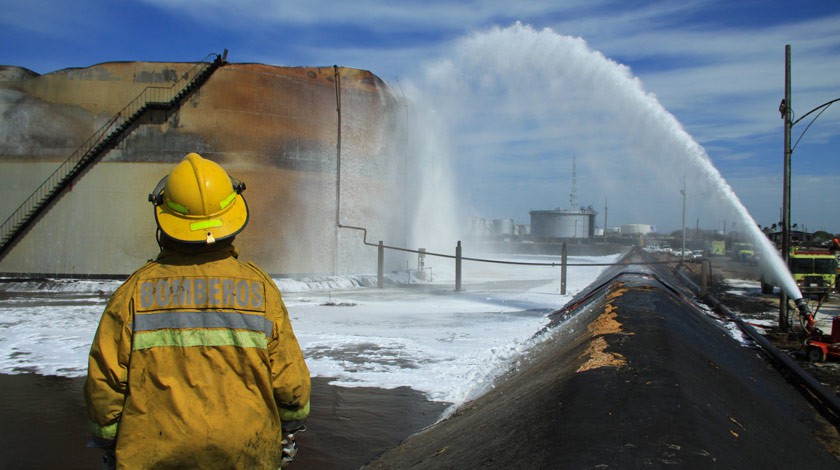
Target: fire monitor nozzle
(802, 305)
(805, 314)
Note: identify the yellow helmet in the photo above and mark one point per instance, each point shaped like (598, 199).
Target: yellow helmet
(199, 203)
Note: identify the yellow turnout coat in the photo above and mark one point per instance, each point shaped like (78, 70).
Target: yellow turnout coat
(195, 364)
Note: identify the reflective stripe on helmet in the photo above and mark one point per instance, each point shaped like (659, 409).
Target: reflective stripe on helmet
(226, 201)
(205, 224)
(177, 207)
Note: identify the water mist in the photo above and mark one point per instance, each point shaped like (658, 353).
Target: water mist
(517, 104)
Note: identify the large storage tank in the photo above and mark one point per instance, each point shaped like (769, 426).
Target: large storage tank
(561, 223)
(275, 128)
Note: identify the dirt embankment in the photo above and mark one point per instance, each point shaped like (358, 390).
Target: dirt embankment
(762, 311)
(648, 381)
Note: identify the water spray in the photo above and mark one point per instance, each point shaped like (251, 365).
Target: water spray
(554, 91)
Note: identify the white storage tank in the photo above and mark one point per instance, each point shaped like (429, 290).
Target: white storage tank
(561, 223)
(503, 227)
(477, 227)
(637, 229)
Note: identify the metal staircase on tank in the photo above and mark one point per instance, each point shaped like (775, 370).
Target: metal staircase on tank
(104, 139)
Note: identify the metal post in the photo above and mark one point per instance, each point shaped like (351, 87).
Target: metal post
(705, 268)
(563, 258)
(458, 266)
(380, 264)
(786, 111)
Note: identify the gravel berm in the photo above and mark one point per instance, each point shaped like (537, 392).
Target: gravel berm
(639, 377)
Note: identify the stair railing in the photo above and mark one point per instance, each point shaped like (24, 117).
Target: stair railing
(90, 149)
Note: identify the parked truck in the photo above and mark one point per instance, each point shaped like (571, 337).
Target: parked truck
(744, 253)
(716, 248)
(813, 269)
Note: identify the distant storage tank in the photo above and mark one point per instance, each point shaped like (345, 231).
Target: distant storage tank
(503, 227)
(561, 223)
(637, 229)
(477, 227)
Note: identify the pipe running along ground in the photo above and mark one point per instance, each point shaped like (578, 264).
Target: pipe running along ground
(822, 393)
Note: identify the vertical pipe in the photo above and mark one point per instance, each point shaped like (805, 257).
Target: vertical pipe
(458, 266)
(405, 167)
(337, 145)
(704, 277)
(783, 300)
(337, 163)
(563, 259)
(380, 264)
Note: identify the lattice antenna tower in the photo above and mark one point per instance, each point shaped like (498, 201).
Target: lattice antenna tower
(573, 201)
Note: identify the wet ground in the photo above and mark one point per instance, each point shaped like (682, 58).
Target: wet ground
(762, 311)
(653, 381)
(43, 424)
(634, 377)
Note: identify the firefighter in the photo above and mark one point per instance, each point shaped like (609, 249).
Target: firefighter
(194, 363)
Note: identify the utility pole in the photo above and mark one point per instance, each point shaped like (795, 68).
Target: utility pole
(785, 109)
(605, 221)
(573, 201)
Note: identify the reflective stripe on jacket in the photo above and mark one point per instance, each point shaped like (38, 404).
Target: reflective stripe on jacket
(194, 364)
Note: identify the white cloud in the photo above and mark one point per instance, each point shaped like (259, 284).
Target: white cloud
(49, 18)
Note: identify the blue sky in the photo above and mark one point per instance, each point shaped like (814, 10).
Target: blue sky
(716, 66)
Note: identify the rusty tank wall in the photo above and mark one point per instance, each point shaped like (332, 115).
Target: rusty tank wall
(273, 127)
